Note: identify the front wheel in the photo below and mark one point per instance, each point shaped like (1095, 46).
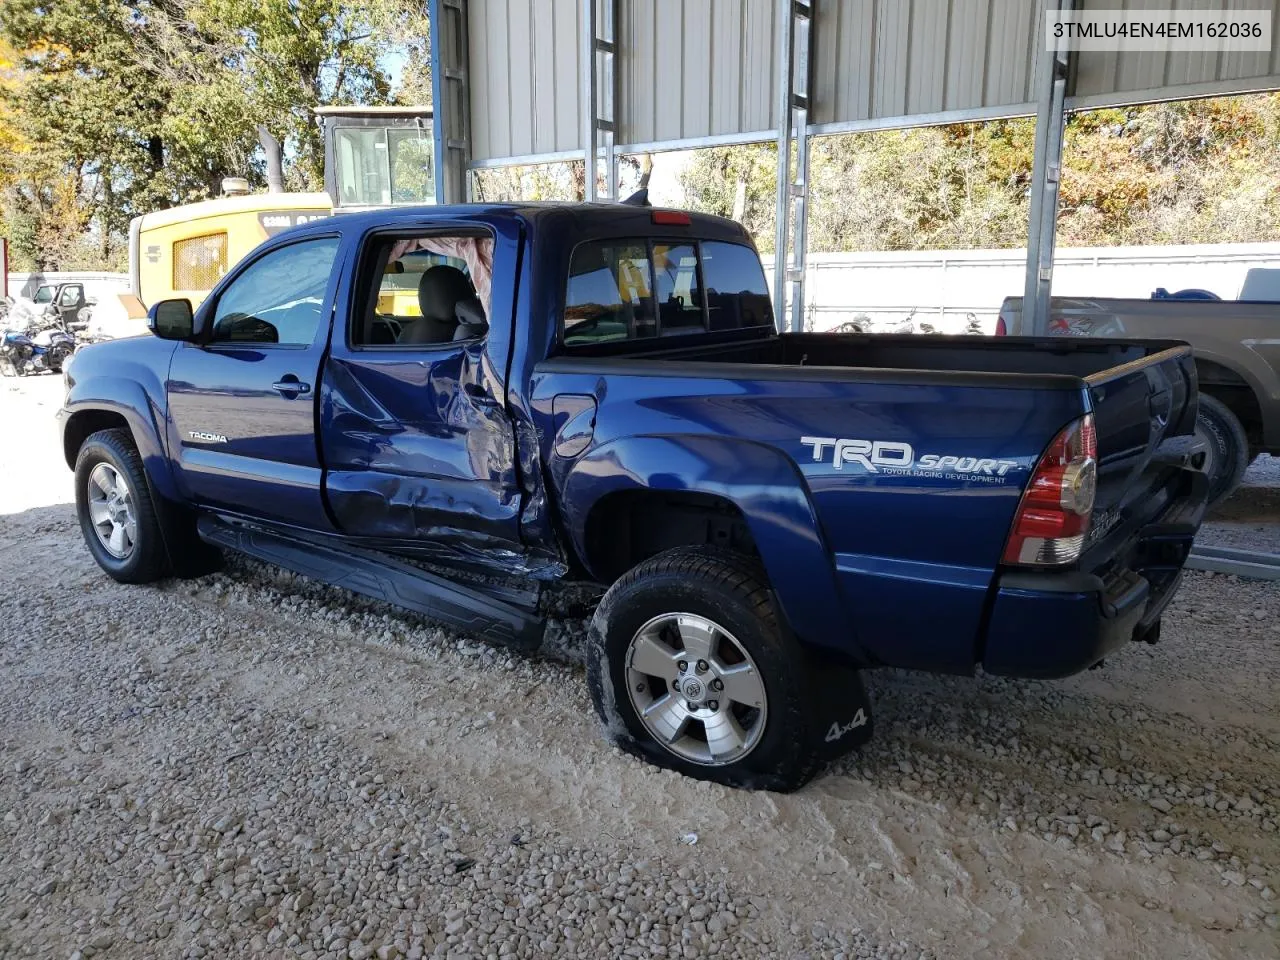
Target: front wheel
(689, 669)
(117, 518)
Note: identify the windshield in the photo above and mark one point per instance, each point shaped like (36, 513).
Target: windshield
(381, 166)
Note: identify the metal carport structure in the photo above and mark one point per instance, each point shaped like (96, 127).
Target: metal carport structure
(534, 81)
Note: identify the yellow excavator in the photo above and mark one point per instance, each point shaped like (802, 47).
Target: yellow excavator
(374, 157)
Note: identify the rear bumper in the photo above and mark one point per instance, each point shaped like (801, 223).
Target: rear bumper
(1057, 624)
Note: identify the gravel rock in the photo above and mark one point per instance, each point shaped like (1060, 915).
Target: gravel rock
(252, 764)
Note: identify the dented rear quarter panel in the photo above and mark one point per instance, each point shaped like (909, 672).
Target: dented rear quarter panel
(885, 568)
(882, 569)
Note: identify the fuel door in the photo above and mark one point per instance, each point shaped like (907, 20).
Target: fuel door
(574, 416)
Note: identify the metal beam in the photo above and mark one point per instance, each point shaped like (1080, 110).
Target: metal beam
(1239, 563)
(795, 23)
(598, 85)
(782, 209)
(450, 100)
(1046, 175)
(588, 96)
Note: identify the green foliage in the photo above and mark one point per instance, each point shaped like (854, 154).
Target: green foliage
(561, 180)
(737, 182)
(1199, 171)
(127, 106)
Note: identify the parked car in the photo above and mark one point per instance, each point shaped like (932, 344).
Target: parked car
(1237, 350)
(597, 394)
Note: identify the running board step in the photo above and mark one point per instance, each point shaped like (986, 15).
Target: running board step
(381, 577)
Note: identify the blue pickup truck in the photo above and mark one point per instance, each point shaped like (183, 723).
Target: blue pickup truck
(472, 411)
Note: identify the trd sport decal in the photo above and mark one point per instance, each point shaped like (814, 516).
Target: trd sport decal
(895, 459)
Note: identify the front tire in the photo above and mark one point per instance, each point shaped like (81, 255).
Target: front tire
(691, 670)
(117, 517)
(1228, 453)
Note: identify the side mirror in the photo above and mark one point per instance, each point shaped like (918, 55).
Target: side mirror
(172, 319)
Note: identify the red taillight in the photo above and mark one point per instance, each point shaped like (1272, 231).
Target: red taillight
(672, 218)
(1053, 516)
(1002, 328)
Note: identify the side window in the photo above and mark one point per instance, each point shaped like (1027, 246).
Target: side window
(675, 271)
(199, 262)
(362, 166)
(737, 295)
(279, 298)
(70, 295)
(44, 295)
(610, 293)
(423, 290)
(409, 154)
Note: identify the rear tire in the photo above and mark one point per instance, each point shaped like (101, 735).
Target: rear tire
(770, 738)
(117, 516)
(1228, 455)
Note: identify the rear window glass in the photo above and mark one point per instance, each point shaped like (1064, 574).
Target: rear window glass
(633, 289)
(610, 295)
(737, 295)
(675, 273)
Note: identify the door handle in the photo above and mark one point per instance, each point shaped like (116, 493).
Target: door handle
(290, 386)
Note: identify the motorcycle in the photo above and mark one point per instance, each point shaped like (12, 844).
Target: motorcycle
(26, 351)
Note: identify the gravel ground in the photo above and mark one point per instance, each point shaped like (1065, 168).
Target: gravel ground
(250, 764)
(1248, 519)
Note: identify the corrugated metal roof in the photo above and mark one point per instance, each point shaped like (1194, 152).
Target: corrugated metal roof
(524, 77)
(1147, 76)
(696, 69)
(887, 59)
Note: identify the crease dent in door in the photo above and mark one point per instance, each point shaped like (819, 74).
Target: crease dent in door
(411, 488)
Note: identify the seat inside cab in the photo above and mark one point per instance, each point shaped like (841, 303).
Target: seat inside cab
(423, 297)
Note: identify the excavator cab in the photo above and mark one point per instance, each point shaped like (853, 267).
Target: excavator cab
(378, 156)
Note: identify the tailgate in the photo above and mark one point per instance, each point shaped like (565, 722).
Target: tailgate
(1139, 410)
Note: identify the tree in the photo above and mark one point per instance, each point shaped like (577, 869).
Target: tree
(561, 180)
(1198, 171)
(142, 104)
(736, 182)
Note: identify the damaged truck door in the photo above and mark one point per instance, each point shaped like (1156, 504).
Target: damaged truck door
(416, 443)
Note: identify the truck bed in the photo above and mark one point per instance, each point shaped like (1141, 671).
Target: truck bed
(969, 399)
(938, 359)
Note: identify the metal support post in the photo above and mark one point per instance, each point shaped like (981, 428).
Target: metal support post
(1046, 175)
(795, 25)
(450, 100)
(599, 95)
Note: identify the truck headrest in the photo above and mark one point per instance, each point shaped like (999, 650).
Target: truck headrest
(440, 290)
